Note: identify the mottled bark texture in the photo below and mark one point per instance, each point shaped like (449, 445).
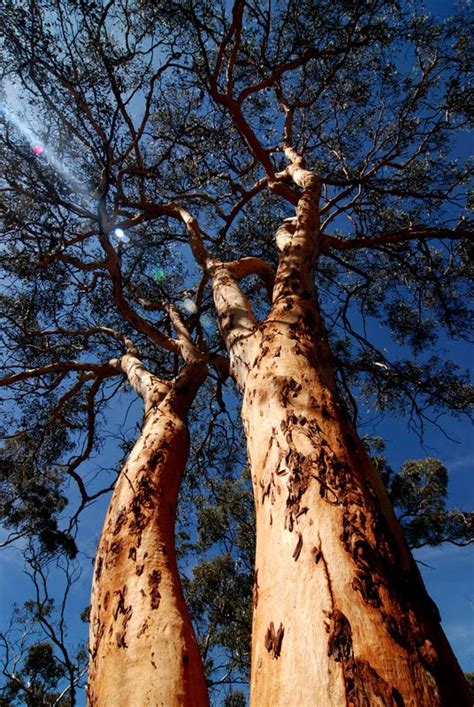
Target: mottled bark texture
(142, 644)
(341, 615)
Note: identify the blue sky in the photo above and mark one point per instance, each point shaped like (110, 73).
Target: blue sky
(448, 571)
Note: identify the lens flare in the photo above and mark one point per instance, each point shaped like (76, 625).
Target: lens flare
(189, 306)
(38, 149)
(158, 274)
(121, 236)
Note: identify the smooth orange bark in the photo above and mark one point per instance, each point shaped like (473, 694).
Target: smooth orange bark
(341, 616)
(143, 648)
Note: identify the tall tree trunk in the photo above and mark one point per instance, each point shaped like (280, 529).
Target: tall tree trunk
(142, 643)
(341, 615)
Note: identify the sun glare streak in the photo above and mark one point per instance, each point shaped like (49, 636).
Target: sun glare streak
(44, 151)
(41, 151)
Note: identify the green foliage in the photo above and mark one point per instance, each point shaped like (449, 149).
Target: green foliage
(419, 495)
(36, 682)
(235, 699)
(220, 589)
(31, 496)
(37, 666)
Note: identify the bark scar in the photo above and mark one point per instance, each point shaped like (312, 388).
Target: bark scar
(299, 545)
(154, 579)
(274, 639)
(255, 590)
(340, 637)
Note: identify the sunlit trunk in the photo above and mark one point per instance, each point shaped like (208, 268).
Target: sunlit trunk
(142, 644)
(341, 616)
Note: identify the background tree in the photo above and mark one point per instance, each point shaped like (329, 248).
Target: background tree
(418, 494)
(470, 680)
(39, 664)
(172, 118)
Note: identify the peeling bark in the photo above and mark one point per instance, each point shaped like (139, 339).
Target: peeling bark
(143, 650)
(274, 639)
(332, 565)
(333, 569)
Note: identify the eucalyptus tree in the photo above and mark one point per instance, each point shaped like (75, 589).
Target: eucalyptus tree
(68, 306)
(324, 130)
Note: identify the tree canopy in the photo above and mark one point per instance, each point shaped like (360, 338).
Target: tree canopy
(168, 135)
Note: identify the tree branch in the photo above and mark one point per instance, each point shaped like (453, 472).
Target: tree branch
(113, 266)
(253, 266)
(407, 234)
(98, 369)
